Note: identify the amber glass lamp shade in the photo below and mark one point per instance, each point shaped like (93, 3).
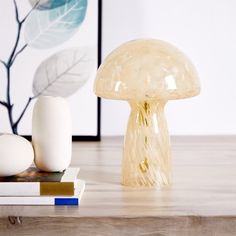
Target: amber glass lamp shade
(146, 73)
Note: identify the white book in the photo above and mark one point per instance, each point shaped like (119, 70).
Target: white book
(33, 182)
(46, 200)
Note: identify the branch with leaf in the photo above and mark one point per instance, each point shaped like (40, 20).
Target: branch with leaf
(48, 24)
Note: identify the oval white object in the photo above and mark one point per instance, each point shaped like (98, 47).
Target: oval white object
(16, 154)
(51, 133)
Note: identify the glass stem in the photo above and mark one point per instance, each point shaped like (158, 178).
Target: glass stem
(146, 159)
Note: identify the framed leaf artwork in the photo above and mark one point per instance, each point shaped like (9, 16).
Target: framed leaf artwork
(49, 48)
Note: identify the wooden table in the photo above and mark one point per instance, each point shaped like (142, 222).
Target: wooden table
(201, 201)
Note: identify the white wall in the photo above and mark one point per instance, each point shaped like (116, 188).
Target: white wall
(206, 31)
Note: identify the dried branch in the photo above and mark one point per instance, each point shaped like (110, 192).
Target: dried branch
(14, 58)
(9, 62)
(23, 112)
(35, 5)
(16, 11)
(3, 103)
(3, 62)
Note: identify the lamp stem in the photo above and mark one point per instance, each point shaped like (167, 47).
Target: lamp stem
(146, 159)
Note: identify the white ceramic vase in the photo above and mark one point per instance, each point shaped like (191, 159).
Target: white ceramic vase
(51, 133)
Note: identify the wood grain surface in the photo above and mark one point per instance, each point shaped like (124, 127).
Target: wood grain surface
(201, 200)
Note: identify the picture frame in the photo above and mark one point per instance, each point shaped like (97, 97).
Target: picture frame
(79, 34)
(96, 137)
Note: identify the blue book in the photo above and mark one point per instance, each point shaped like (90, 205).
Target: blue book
(66, 201)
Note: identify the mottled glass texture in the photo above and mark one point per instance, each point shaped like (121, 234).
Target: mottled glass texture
(147, 73)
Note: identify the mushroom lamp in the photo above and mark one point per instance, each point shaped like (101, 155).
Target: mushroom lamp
(146, 73)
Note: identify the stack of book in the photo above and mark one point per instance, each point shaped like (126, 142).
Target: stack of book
(34, 187)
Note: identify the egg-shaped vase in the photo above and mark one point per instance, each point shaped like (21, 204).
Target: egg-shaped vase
(16, 154)
(51, 133)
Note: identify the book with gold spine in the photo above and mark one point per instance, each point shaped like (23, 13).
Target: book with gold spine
(34, 182)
